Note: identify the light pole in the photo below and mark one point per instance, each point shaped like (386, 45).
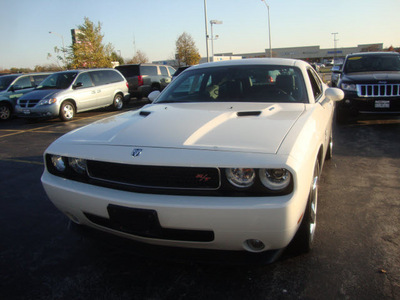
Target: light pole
(334, 45)
(62, 40)
(205, 17)
(269, 29)
(212, 22)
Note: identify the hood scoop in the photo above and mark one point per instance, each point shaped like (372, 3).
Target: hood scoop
(248, 113)
(144, 113)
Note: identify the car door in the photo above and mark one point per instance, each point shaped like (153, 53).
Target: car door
(103, 88)
(85, 93)
(20, 87)
(323, 107)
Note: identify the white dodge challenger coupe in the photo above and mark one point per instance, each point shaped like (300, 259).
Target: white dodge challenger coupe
(227, 157)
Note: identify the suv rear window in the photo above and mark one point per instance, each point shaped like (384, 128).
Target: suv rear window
(129, 70)
(148, 70)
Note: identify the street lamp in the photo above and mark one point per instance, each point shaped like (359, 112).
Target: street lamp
(62, 40)
(334, 45)
(205, 17)
(212, 22)
(269, 29)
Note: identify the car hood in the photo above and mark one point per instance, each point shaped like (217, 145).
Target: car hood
(40, 94)
(211, 126)
(372, 77)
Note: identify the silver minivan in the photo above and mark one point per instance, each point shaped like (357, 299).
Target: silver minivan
(66, 93)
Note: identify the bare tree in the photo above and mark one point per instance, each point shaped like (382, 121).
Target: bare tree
(139, 58)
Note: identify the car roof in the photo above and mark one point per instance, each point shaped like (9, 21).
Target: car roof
(253, 61)
(374, 53)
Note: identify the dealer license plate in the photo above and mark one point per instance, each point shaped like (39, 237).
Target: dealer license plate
(382, 104)
(27, 112)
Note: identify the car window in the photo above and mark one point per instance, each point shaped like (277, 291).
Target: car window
(113, 76)
(378, 62)
(5, 81)
(148, 70)
(316, 84)
(129, 70)
(254, 83)
(22, 83)
(37, 79)
(85, 79)
(61, 80)
(164, 71)
(171, 71)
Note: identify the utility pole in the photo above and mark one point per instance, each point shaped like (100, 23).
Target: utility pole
(334, 45)
(205, 17)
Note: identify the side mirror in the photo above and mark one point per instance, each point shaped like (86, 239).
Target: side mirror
(153, 95)
(336, 69)
(78, 85)
(14, 88)
(334, 94)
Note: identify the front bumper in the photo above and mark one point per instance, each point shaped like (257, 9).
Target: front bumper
(231, 221)
(378, 105)
(38, 111)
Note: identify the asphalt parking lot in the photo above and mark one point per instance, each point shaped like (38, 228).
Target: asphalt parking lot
(356, 254)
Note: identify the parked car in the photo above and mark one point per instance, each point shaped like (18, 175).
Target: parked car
(66, 93)
(179, 71)
(144, 78)
(12, 87)
(223, 159)
(336, 71)
(371, 83)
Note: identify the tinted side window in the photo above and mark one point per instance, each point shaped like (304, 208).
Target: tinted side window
(164, 71)
(171, 71)
(85, 79)
(148, 70)
(113, 76)
(37, 79)
(129, 70)
(99, 77)
(315, 84)
(23, 83)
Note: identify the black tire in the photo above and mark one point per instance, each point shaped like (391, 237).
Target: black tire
(118, 102)
(5, 111)
(304, 238)
(67, 111)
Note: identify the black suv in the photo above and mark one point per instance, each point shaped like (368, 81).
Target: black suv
(145, 78)
(371, 83)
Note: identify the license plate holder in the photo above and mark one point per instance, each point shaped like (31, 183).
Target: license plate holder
(382, 104)
(143, 222)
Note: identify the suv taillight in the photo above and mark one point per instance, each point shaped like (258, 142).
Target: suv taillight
(140, 80)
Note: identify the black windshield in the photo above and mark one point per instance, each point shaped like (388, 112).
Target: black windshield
(249, 83)
(372, 63)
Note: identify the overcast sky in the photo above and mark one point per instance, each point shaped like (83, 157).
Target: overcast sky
(153, 26)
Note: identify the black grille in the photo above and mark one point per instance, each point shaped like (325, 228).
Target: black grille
(378, 90)
(28, 103)
(155, 176)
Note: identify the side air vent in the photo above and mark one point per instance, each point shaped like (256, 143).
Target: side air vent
(248, 113)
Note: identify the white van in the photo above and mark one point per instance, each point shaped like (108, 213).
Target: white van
(66, 93)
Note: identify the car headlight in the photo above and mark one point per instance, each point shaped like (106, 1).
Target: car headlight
(78, 165)
(241, 177)
(47, 101)
(349, 87)
(66, 166)
(275, 179)
(58, 163)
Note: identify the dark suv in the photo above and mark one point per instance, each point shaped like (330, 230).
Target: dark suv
(145, 78)
(371, 83)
